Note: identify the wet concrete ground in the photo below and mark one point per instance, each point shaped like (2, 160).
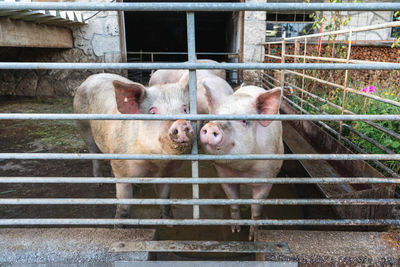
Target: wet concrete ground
(62, 137)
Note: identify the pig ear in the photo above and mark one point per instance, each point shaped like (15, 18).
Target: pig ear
(212, 96)
(268, 103)
(128, 96)
(184, 81)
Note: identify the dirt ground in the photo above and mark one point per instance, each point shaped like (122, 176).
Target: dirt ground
(62, 137)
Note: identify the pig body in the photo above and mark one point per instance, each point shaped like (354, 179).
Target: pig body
(113, 94)
(245, 137)
(216, 79)
(174, 75)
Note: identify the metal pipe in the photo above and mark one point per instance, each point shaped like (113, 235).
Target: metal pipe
(187, 202)
(70, 221)
(210, 180)
(184, 53)
(328, 128)
(357, 148)
(361, 135)
(356, 29)
(344, 85)
(384, 100)
(188, 65)
(195, 6)
(376, 126)
(191, 40)
(275, 57)
(74, 156)
(341, 60)
(282, 117)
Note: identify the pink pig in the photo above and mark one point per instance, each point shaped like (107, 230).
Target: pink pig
(215, 78)
(113, 94)
(245, 137)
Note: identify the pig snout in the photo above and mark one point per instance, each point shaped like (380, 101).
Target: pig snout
(210, 134)
(181, 132)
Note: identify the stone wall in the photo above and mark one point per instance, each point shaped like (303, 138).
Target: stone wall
(96, 41)
(254, 33)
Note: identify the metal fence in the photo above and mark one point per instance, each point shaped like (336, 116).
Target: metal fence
(190, 9)
(142, 76)
(303, 95)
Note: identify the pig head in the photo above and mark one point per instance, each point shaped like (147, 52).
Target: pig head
(216, 79)
(113, 94)
(245, 137)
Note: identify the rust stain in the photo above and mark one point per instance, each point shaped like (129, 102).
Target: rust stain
(392, 239)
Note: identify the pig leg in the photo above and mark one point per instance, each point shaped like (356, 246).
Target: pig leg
(123, 191)
(259, 192)
(164, 191)
(85, 131)
(233, 192)
(95, 163)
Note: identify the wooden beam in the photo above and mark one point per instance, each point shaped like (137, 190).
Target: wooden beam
(18, 33)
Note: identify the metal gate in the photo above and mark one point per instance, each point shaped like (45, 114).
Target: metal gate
(190, 9)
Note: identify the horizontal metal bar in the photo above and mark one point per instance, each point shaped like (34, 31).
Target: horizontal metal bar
(70, 156)
(351, 90)
(361, 135)
(347, 141)
(208, 180)
(376, 126)
(179, 53)
(71, 221)
(194, 6)
(202, 246)
(353, 145)
(341, 60)
(336, 134)
(148, 201)
(354, 29)
(281, 117)
(275, 57)
(187, 65)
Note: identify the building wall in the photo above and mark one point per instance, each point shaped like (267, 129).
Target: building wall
(254, 33)
(96, 41)
(362, 19)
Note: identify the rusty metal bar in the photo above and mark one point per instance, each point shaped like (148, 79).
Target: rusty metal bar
(70, 221)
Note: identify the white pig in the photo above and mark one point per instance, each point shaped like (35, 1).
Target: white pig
(245, 137)
(113, 94)
(217, 83)
(174, 75)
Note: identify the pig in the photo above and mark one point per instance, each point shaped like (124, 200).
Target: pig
(113, 94)
(174, 75)
(215, 78)
(244, 137)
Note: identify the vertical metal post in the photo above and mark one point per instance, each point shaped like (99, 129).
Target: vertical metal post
(303, 78)
(268, 61)
(345, 84)
(193, 104)
(283, 59)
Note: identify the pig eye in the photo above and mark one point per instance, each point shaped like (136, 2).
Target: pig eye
(184, 109)
(245, 123)
(153, 110)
